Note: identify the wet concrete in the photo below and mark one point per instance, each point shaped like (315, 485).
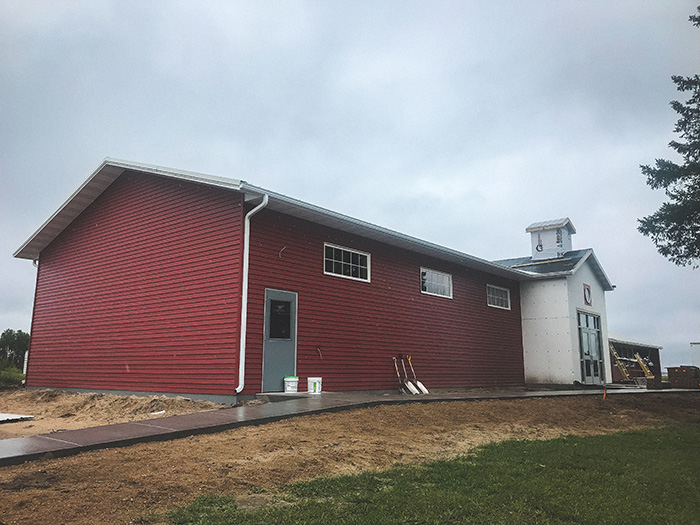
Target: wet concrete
(69, 442)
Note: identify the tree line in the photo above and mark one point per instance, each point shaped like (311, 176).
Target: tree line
(14, 344)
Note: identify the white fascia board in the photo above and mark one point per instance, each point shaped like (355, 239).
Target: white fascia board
(597, 270)
(550, 275)
(98, 181)
(111, 169)
(550, 225)
(190, 176)
(626, 341)
(609, 286)
(581, 261)
(316, 214)
(81, 198)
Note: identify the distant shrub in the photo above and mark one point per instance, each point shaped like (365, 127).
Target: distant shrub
(6, 363)
(10, 375)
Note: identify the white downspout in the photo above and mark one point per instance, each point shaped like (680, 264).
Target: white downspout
(244, 293)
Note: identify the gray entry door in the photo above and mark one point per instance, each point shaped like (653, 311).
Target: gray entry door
(280, 339)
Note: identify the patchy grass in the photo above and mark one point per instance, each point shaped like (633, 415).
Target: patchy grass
(650, 476)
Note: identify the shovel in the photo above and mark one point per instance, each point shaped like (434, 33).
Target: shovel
(402, 389)
(420, 385)
(411, 387)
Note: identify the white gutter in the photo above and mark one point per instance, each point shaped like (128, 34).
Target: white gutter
(244, 293)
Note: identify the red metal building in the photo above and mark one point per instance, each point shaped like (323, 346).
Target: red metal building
(159, 280)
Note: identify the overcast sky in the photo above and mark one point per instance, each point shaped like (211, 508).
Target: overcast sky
(456, 122)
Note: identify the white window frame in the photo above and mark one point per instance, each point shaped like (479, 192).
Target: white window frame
(436, 272)
(351, 251)
(489, 295)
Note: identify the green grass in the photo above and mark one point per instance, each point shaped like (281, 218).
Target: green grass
(641, 477)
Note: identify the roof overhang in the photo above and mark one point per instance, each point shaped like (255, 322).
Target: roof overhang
(111, 169)
(596, 268)
(309, 212)
(551, 225)
(96, 183)
(630, 342)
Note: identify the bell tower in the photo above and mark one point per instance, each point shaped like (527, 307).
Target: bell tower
(550, 239)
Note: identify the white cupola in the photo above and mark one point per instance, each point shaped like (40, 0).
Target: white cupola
(551, 239)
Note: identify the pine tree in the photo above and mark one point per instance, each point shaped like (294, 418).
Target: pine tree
(675, 227)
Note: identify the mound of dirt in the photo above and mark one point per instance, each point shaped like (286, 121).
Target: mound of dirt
(55, 410)
(253, 463)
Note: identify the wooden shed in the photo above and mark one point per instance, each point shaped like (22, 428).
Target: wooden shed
(630, 353)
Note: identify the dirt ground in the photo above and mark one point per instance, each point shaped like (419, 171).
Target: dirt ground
(55, 410)
(120, 485)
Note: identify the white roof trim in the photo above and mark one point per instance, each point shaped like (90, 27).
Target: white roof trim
(550, 225)
(98, 181)
(600, 273)
(597, 270)
(631, 342)
(110, 169)
(88, 191)
(316, 214)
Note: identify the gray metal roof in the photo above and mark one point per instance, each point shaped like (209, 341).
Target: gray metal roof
(550, 225)
(111, 169)
(565, 263)
(562, 266)
(631, 343)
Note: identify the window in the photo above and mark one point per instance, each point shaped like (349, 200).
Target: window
(435, 283)
(345, 262)
(280, 319)
(498, 297)
(588, 321)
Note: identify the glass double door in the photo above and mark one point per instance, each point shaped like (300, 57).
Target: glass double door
(592, 368)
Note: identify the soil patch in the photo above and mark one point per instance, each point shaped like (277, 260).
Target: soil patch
(252, 463)
(55, 410)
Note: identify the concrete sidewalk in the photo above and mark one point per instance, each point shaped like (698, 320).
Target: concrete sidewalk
(68, 442)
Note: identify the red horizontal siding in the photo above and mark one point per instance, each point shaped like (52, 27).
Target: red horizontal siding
(142, 291)
(358, 326)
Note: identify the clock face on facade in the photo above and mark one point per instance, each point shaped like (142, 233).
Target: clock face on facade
(587, 295)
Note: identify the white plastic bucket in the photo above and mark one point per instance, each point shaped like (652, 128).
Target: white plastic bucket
(315, 385)
(291, 384)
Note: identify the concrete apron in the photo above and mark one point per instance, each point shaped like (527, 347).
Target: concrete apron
(68, 442)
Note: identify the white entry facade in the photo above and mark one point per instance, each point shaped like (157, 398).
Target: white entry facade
(564, 320)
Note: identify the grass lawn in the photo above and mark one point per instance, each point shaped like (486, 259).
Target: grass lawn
(640, 477)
